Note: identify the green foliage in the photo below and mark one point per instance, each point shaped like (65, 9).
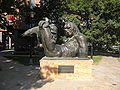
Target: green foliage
(105, 22)
(71, 18)
(119, 59)
(97, 59)
(6, 5)
(101, 17)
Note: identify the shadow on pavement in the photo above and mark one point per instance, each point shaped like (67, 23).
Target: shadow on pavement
(15, 76)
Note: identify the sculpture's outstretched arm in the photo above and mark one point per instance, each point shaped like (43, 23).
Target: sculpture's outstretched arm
(31, 31)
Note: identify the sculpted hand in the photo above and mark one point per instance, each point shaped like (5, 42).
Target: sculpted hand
(43, 24)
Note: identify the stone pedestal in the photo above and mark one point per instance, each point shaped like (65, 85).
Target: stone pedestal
(65, 68)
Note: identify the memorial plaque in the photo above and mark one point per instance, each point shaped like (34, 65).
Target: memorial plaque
(65, 69)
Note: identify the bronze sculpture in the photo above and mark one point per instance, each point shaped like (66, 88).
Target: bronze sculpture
(75, 46)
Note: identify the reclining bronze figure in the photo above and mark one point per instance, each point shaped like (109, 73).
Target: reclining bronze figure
(75, 45)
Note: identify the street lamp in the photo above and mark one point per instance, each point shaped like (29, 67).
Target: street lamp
(119, 51)
(30, 46)
(91, 16)
(32, 14)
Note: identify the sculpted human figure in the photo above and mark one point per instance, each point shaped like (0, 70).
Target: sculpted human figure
(72, 31)
(75, 46)
(48, 38)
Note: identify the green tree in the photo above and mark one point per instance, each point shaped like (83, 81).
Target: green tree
(99, 20)
(102, 18)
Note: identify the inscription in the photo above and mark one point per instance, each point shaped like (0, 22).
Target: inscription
(65, 69)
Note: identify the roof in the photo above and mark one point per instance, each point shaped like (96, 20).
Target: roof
(1, 30)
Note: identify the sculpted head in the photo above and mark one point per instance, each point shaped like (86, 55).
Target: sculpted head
(68, 29)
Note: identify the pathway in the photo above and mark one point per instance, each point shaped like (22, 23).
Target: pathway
(14, 76)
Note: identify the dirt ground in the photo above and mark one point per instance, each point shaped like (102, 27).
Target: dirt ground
(15, 76)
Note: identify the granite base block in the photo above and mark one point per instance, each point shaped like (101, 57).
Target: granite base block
(65, 68)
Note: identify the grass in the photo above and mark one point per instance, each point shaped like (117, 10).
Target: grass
(97, 59)
(119, 59)
(24, 59)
